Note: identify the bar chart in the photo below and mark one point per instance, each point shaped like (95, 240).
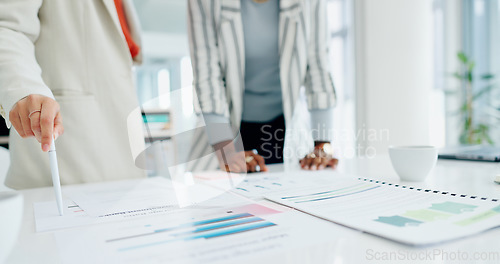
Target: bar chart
(202, 229)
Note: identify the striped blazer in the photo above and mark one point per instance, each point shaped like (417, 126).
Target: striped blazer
(217, 53)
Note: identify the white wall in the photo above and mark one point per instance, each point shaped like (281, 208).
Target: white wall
(164, 28)
(394, 72)
(453, 44)
(168, 16)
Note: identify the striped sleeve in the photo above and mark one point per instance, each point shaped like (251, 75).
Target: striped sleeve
(318, 82)
(205, 57)
(322, 124)
(218, 128)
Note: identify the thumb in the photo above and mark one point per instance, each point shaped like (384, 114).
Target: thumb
(333, 163)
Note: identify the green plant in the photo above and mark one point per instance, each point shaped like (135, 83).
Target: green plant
(472, 131)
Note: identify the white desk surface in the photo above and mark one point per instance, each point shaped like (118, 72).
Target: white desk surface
(346, 245)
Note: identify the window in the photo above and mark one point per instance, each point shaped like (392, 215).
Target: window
(480, 43)
(165, 49)
(471, 26)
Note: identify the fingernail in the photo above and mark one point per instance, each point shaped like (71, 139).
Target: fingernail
(321, 167)
(313, 167)
(306, 167)
(45, 147)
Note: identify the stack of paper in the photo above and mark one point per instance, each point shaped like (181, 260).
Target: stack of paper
(213, 219)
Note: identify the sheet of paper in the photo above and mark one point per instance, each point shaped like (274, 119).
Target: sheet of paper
(219, 235)
(410, 216)
(136, 197)
(47, 217)
(256, 185)
(118, 201)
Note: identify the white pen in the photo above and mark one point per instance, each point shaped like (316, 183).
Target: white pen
(55, 176)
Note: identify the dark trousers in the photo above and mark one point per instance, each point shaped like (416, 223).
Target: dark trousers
(267, 138)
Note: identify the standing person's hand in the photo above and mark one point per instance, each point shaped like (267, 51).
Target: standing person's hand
(320, 158)
(37, 116)
(231, 160)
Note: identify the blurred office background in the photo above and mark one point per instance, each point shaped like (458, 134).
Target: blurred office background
(167, 66)
(392, 63)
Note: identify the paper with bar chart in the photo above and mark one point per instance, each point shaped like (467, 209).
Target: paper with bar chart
(47, 217)
(222, 235)
(410, 216)
(119, 201)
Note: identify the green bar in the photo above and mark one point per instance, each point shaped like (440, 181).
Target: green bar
(451, 207)
(397, 220)
(477, 218)
(426, 215)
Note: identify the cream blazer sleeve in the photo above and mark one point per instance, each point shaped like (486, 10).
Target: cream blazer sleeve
(20, 74)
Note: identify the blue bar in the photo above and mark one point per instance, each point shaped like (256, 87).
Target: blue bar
(204, 222)
(221, 225)
(233, 231)
(207, 236)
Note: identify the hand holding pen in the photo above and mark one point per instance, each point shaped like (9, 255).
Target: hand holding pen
(37, 116)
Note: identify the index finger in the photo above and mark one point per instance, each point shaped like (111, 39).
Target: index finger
(47, 116)
(251, 166)
(260, 162)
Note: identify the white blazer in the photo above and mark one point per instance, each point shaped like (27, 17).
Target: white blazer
(75, 52)
(217, 52)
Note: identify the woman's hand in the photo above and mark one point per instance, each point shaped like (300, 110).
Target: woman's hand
(231, 160)
(255, 162)
(319, 159)
(37, 116)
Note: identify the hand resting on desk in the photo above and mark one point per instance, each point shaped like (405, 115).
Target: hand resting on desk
(231, 160)
(319, 158)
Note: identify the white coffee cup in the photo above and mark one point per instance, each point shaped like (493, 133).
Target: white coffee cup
(413, 163)
(11, 208)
